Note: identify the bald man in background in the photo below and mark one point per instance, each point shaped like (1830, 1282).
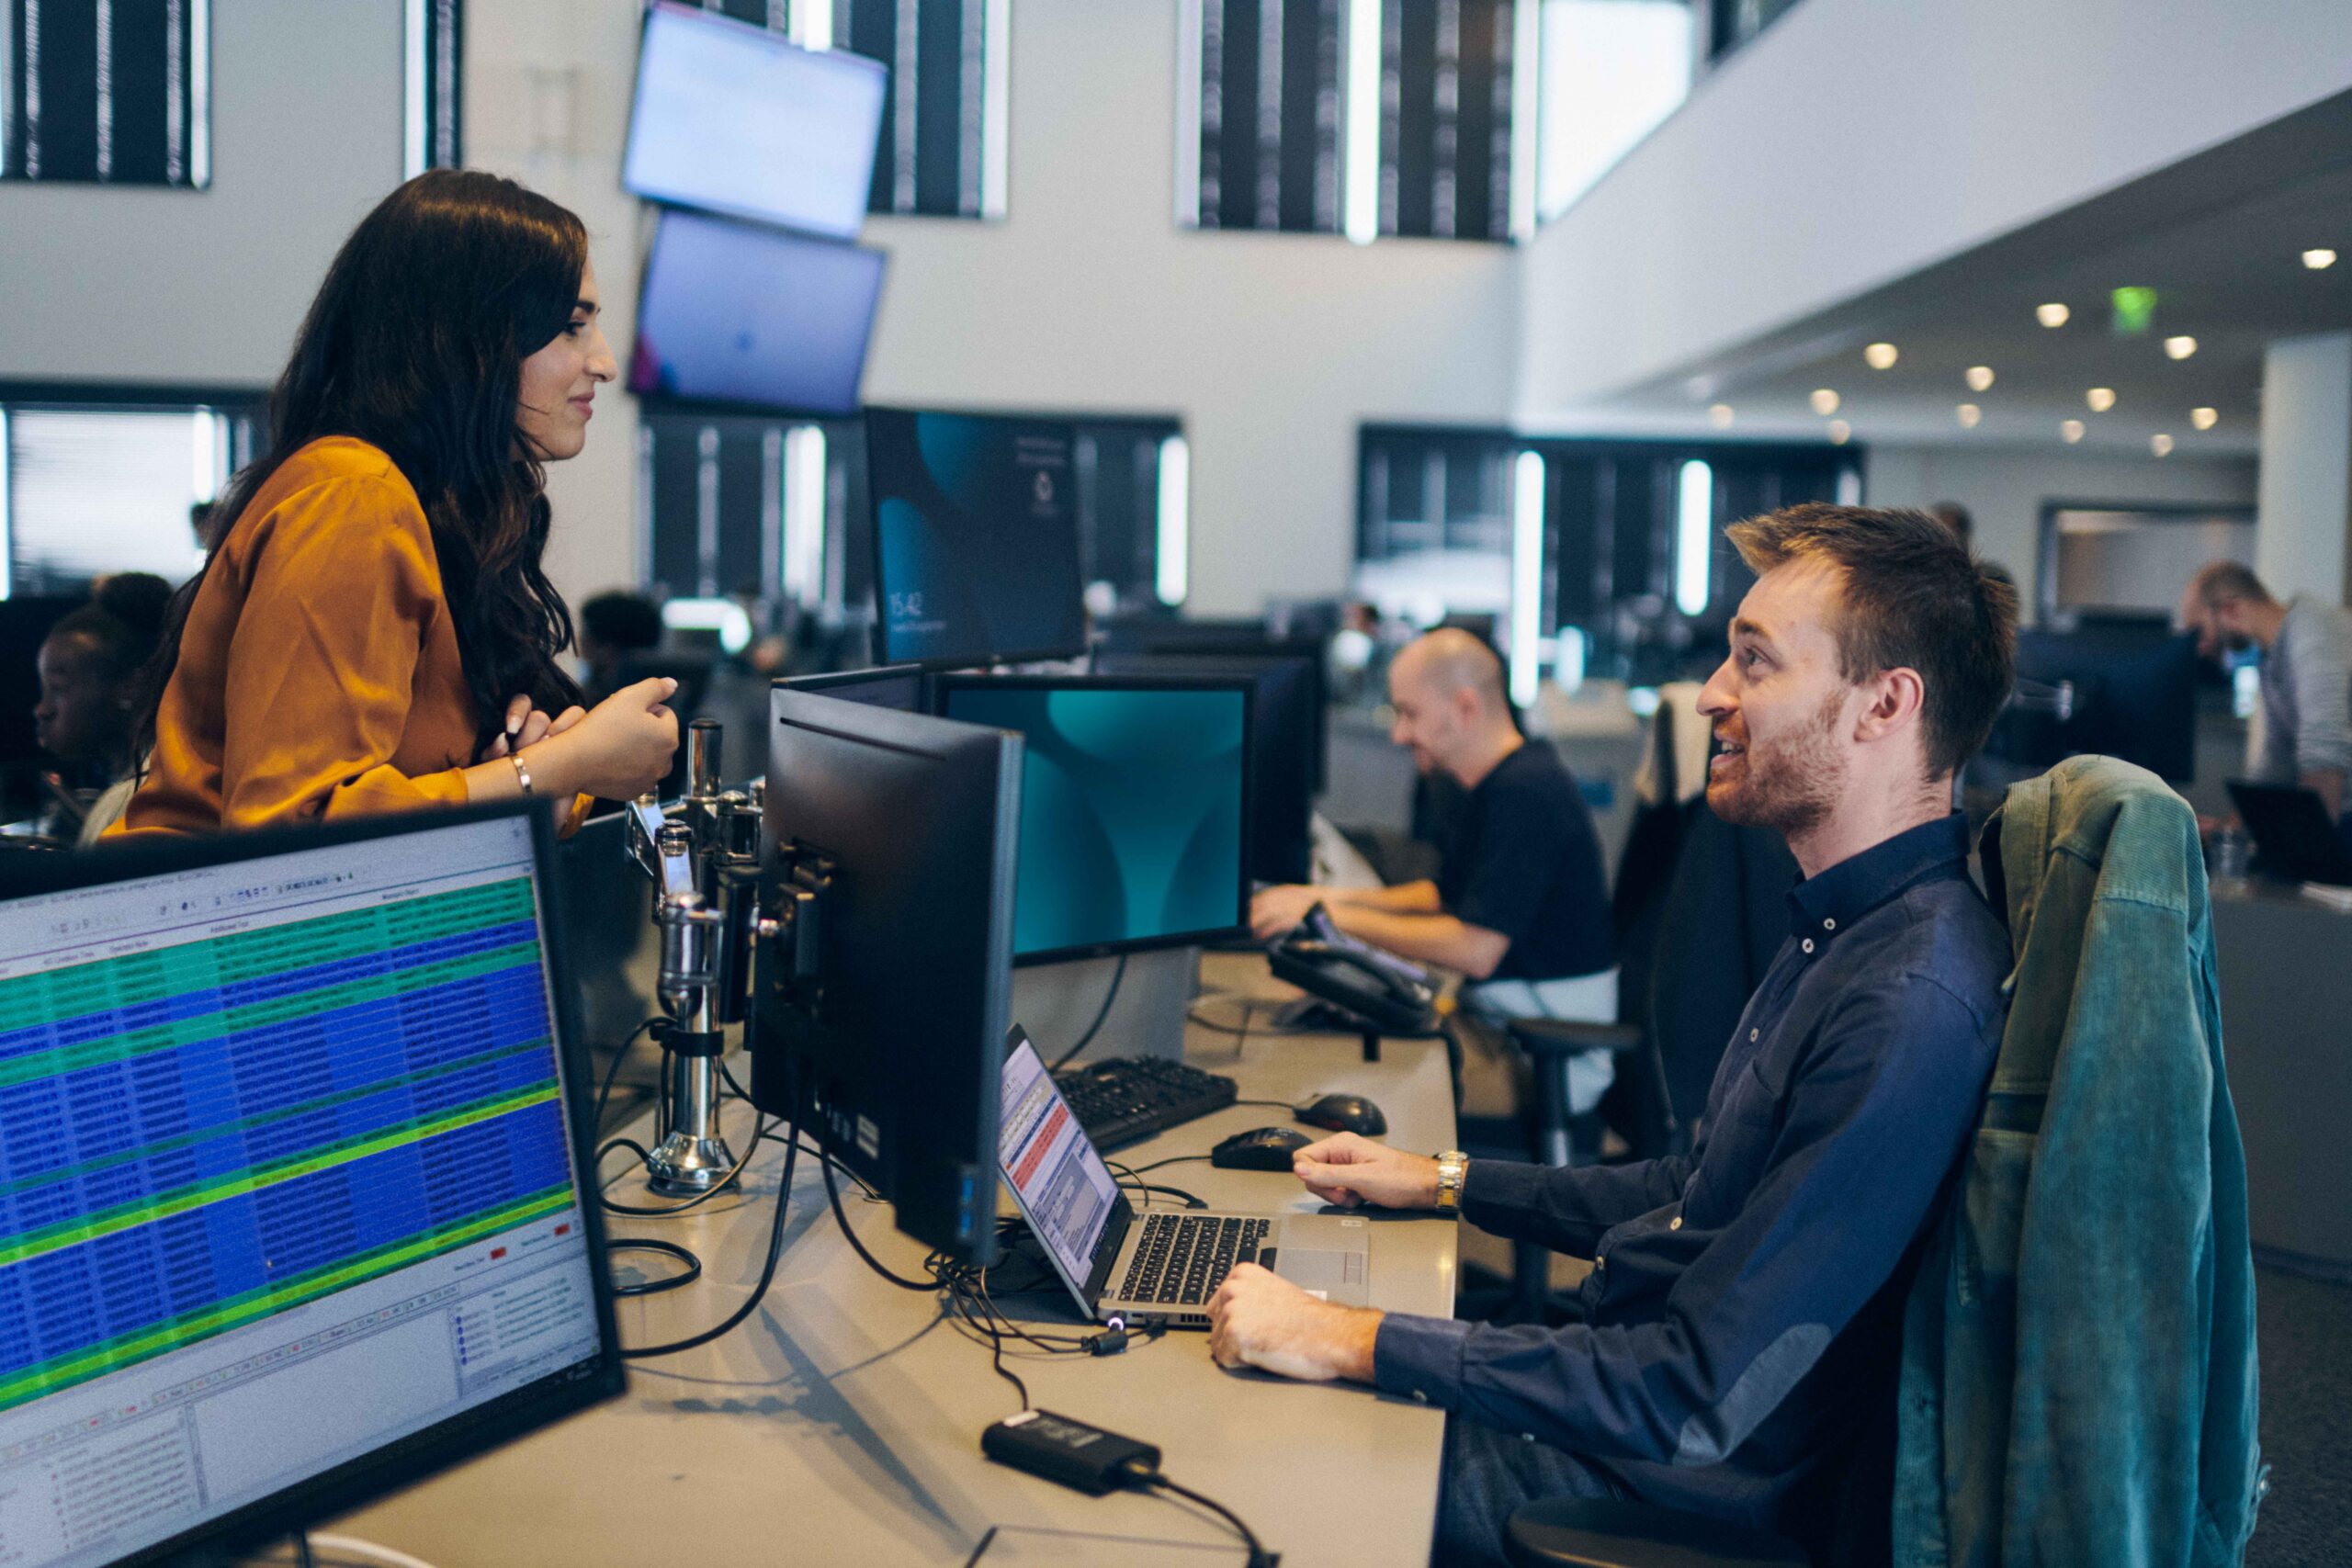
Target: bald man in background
(1520, 906)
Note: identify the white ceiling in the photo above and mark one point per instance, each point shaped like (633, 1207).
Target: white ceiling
(2219, 236)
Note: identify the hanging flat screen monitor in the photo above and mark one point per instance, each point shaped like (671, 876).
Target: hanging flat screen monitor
(734, 314)
(734, 119)
(974, 538)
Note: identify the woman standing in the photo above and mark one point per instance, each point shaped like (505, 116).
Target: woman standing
(372, 631)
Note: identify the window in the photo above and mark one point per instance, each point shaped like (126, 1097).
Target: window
(778, 510)
(1361, 116)
(1612, 70)
(108, 91)
(86, 489)
(945, 119)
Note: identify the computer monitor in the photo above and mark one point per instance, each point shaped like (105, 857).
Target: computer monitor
(901, 686)
(1285, 729)
(1208, 639)
(2131, 693)
(974, 538)
(735, 118)
(733, 314)
(1134, 831)
(882, 1023)
(297, 1206)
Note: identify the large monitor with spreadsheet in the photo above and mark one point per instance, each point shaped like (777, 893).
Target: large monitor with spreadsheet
(290, 1181)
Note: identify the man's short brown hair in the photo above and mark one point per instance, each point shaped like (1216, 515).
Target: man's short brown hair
(2224, 582)
(1915, 598)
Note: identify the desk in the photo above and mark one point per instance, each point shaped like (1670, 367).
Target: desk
(2285, 968)
(841, 1423)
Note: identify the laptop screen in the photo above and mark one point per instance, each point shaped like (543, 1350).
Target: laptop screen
(1062, 1185)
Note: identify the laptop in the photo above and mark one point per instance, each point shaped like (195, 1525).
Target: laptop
(1165, 1263)
(2293, 836)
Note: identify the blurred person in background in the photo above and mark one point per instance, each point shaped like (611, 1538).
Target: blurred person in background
(89, 667)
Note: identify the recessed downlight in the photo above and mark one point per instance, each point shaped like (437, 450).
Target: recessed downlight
(1980, 378)
(2180, 348)
(2204, 419)
(1720, 415)
(2070, 430)
(2052, 315)
(1969, 416)
(2160, 444)
(1880, 356)
(2319, 259)
(1841, 433)
(2100, 399)
(1825, 401)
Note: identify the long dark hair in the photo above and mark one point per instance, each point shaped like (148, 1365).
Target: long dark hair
(415, 344)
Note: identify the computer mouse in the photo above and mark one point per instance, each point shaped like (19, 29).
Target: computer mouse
(1260, 1148)
(1345, 1113)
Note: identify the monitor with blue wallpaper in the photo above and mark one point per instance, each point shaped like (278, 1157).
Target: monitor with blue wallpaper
(974, 538)
(1134, 831)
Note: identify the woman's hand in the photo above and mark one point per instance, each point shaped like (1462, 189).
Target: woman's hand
(618, 749)
(527, 725)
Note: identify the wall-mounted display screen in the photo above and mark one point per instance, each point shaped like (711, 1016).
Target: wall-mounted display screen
(738, 314)
(736, 118)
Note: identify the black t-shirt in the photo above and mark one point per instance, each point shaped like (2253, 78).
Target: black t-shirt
(1521, 858)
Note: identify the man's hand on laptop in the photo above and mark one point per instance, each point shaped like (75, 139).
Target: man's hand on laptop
(1349, 1171)
(1274, 910)
(1259, 1319)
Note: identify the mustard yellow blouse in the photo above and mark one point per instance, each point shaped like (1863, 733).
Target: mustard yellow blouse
(318, 673)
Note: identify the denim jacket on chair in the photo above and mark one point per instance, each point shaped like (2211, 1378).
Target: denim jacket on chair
(2078, 1376)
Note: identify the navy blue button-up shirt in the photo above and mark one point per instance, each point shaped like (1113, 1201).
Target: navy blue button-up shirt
(1744, 1300)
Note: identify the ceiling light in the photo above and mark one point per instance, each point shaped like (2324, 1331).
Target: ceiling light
(2052, 315)
(2070, 429)
(2204, 419)
(1880, 356)
(2319, 259)
(2101, 399)
(2135, 310)
(1720, 416)
(1841, 433)
(1980, 378)
(1970, 414)
(1825, 401)
(2180, 348)
(2160, 444)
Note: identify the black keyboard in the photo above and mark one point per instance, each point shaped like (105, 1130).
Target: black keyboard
(1125, 1100)
(1183, 1258)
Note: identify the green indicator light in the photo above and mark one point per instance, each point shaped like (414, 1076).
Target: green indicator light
(2135, 310)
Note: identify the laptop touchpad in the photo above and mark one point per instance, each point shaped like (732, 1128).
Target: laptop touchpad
(1334, 1276)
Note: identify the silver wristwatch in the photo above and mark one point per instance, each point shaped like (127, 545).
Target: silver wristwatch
(1449, 1166)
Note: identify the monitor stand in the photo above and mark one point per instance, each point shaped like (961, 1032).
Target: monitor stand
(1055, 1002)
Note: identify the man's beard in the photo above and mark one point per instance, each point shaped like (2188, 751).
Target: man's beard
(1791, 784)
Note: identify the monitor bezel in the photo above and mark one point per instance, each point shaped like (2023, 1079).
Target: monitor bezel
(670, 403)
(408, 1460)
(945, 686)
(692, 15)
(950, 661)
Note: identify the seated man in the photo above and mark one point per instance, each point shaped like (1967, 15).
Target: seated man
(1520, 906)
(1743, 1318)
(2305, 735)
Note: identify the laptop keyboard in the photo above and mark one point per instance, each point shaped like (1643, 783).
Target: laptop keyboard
(1182, 1259)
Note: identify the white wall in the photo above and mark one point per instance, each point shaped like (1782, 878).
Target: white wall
(1859, 140)
(2004, 490)
(103, 283)
(1088, 298)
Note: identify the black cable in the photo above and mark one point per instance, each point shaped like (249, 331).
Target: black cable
(734, 1173)
(1171, 1160)
(1102, 1012)
(668, 1249)
(1277, 1104)
(1259, 1556)
(1191, 1200)
(605, 1093)
(833, 1196)
(767, 1271)
(302, 1550)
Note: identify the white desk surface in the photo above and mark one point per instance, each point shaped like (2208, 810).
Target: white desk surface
(841, 1424)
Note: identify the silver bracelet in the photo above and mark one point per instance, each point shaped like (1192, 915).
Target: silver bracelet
(522, 773)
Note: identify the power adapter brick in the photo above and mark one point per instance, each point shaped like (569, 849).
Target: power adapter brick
(1064, 1448)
